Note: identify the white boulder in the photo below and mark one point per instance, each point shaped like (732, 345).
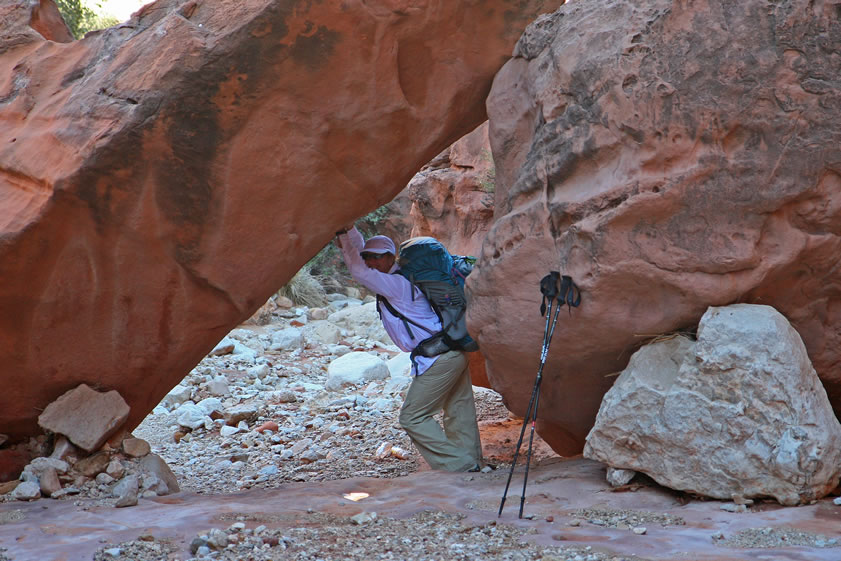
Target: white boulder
(176, 396)
(27, 491)
(738, 413)
(260, 371)
(210, 405)
(355, 368)
(288, 339)
(322, 333)
(362, 321)
(400, 365)
(218, 386)
(191, 416)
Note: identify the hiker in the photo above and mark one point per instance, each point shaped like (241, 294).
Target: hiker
(439, 382)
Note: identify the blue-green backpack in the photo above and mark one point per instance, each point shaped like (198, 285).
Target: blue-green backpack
(427, 264)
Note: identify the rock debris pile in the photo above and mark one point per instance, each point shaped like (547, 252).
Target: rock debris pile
(626, 519)
(766, 538)
(84, 452)
(298, 399)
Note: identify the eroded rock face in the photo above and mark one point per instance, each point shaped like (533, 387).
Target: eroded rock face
(159, 180)
(739, 413)
(669, 156)
(31, 20)
(452, 196)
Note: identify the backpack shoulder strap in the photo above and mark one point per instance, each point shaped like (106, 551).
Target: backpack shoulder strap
(393, 311)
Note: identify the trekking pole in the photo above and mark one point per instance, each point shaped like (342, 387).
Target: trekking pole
(569, 294)
(549, 289)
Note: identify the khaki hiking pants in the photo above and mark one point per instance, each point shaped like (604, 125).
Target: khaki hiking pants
(446, 385)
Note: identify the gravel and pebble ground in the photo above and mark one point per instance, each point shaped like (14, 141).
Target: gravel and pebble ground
(320, 436)
(425, 536)
(296, 430)
(626, 519)
(767, 538)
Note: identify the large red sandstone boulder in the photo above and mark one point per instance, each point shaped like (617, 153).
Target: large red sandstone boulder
(669, 156)
(397, 222)
(160, 179)
(451, 198)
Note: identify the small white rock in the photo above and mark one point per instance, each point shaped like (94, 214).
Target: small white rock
(363, 518)
(227, 431)
(399, 453)
(217, 539)
(27, 491)
(383, 450)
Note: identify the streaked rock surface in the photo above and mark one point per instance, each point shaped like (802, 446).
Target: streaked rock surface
(160, 179)
(669, 156)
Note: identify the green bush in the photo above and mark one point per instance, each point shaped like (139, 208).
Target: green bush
(369, 224)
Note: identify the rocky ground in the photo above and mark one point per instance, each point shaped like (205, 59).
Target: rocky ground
(292, 429)
(319, 434)
(256, 415)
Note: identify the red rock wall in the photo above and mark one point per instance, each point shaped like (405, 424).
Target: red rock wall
(669, 156)
(47, 20)
(453, 196)
(159, 180)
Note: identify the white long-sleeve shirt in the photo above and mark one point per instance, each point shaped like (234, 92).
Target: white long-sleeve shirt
(399, 293)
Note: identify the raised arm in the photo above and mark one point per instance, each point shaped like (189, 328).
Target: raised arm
(385, 284)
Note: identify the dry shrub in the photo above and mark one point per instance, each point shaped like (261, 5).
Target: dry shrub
(305, 290)
(666, 336)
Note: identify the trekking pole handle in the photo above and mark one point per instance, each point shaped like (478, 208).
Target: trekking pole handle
(549, 289)
(569, 293)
